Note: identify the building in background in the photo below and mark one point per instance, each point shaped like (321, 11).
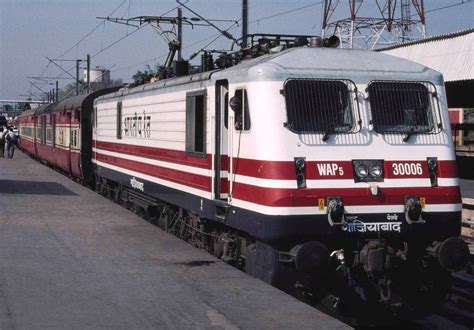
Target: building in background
(98, 75)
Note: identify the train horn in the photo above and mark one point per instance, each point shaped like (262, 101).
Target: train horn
(332, 42)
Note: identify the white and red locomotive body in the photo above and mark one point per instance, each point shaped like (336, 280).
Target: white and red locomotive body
(296, 191)
(256, 167)
(335, 164)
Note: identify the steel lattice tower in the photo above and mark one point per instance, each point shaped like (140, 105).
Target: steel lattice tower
(394, 24)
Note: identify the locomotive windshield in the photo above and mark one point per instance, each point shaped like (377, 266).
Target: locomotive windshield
(401, 107)
(318, 106)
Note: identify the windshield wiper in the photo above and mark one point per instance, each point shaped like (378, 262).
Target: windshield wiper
(327, 134)
(412, 127)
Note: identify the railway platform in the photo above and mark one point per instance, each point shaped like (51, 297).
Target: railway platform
(70, 258)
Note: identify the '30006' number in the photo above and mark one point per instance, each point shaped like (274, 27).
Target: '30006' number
(407, 169)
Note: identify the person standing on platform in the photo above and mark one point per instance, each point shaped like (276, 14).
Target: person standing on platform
(2, 141)
(11, 139)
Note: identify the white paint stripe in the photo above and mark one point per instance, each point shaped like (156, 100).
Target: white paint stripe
(138, 175)
(174, 166)
(345, 183)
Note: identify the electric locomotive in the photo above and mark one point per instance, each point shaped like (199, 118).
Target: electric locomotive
(329, 173)
(326, 171)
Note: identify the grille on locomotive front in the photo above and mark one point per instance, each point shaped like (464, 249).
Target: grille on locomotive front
(320, 106)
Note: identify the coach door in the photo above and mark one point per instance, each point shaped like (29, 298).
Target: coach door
(221, 156)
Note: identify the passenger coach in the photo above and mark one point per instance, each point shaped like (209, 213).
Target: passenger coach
(60, 134)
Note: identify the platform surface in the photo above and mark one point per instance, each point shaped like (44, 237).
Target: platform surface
(70, 258)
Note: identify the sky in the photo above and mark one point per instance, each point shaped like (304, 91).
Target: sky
(31, 31)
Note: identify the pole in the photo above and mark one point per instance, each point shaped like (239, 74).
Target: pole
(180, 32)
(77, 76)
(88, 73)
(245, 22)
(57, 91)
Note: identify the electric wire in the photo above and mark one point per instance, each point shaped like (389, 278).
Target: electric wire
(286, 12)
(216, 37)
(92, 31)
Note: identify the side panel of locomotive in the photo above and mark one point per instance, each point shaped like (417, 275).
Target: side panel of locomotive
(140, 142)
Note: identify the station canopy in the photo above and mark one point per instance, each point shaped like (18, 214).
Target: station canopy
(451, 54)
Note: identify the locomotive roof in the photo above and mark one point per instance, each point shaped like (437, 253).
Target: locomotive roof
(179, 81)
(356, 65)
(360, 66)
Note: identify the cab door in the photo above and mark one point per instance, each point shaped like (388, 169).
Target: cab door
(221, 155)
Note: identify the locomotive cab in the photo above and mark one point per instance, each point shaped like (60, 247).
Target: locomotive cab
(352, 171)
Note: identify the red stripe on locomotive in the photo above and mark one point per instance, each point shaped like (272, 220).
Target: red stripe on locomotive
(168, 155)
(184, 178)
(350, 196)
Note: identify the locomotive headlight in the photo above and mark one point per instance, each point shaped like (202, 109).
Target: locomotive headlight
(368, 170)
(375, 170)
(361, 171)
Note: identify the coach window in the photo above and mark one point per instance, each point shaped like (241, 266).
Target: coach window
(119, 120)
(239, 104)
(43, 129)
(53, 130)
(196, 122)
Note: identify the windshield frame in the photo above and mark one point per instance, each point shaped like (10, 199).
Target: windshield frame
(417, 110)
(298, 119)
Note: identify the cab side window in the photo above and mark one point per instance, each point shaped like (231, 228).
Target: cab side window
(196, 123)
(239, 104)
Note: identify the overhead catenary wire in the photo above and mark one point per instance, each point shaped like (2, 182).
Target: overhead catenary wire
(216, 37)
(286, 12)
(81, 40)
(92, 31)
(114, 42)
